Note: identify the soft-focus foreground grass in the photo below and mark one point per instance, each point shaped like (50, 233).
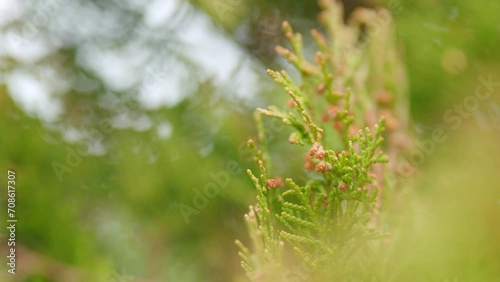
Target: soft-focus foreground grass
(450, 228)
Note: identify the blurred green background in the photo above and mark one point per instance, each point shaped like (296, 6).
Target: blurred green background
(116, 115)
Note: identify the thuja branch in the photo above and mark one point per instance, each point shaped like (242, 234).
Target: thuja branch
(343, 125)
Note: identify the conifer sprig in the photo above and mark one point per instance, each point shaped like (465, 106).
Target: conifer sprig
(327, 219)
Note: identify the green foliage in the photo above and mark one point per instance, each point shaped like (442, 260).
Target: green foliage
(327, 219)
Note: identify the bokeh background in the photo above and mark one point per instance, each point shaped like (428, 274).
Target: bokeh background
(117, 114)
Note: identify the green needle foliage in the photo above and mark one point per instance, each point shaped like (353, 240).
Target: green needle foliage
(347, 107)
